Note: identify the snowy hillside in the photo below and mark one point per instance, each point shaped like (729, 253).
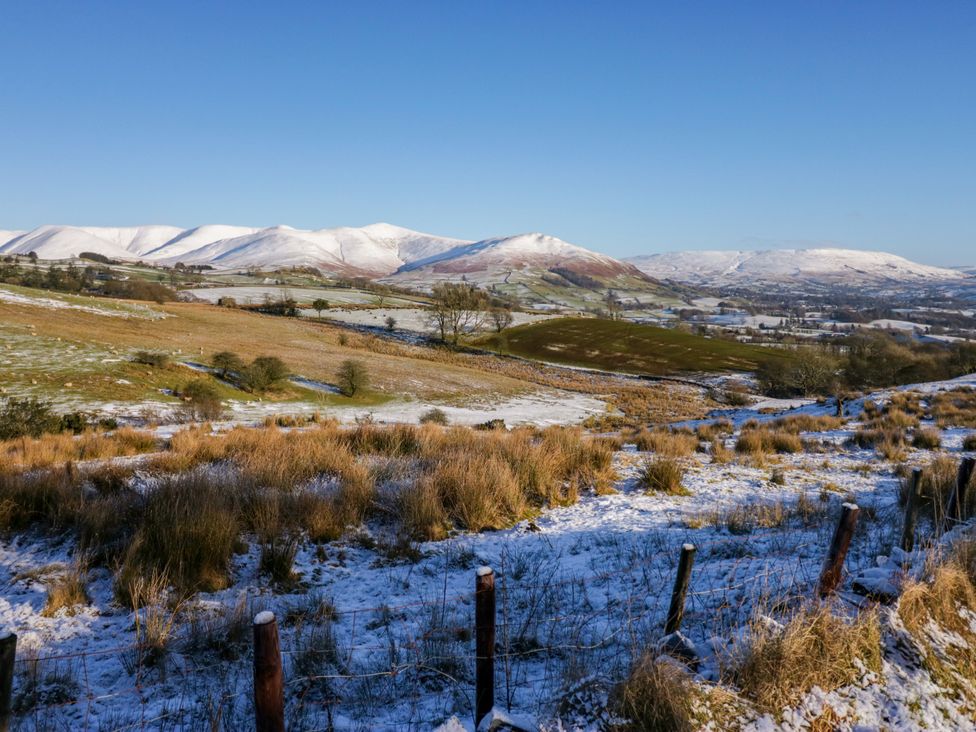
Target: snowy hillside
(374, 250)
(824, 267)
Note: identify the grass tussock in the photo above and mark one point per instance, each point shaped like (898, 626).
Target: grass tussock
(656, 695)
(66, 591)
(36, 453)
(665, 442)
(777, 665)
(927, 438)
(662, 475)
(956, 408)
(188, 530)
(761, 440)
(969, 443)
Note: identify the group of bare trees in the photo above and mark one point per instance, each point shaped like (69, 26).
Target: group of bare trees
(460, 307)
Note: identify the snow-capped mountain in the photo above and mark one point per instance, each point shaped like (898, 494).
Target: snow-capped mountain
(373, 251)
(511, 253)
(824, 267)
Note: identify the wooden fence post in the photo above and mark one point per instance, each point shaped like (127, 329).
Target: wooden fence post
(680, 591)
(484, 633)
(8, 651)
(833, 566)
(269, 690)
(911, 510)
(957, 500)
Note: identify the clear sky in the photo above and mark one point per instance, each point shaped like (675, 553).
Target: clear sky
(624, 127)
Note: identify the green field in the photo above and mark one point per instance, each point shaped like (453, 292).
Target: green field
(617, 345)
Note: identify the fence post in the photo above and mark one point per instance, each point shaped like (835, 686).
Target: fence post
(680, 591)
(8, 651)
(911, 511)
(833, 566)
(269, 692)
(957, 500)
(484, 633)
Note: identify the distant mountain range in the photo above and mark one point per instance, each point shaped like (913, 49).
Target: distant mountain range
(541, 267)
(779, 268)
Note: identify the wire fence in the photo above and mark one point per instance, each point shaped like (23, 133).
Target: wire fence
(562, 637)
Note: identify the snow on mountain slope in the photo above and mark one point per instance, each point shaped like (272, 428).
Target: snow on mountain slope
(374, 250)
(6, 236)
(518, 252)
(824, 266)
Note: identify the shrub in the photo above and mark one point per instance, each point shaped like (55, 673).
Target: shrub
(969, 443)
(778, 665)
(155, 359)
(227, 363)
(662, 475)
(28, 417)
(262, 373)
(434, 416)
(352, 377)
(201, 400)
(657, 695)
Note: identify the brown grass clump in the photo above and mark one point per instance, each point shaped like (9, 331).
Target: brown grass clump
(56, 449)
(927, 439)
(763, 440)
(969, 443)
(797, 423)
(956, 408)
(51, 498)
(657, 695)
(188, 531)
(777, 666)
(712, 430)
(66, 592)
(662, 475)
(477, 493)
(666, 442)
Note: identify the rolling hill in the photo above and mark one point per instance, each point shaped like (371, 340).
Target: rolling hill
(780, 268)
(617, 345)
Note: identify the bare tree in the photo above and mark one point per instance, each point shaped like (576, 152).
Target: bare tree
(501, 318)
(457, 308)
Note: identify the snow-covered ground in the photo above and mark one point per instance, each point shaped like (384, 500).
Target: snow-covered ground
(257, 294)
(54, 301)
(416, 320)
(580, 590)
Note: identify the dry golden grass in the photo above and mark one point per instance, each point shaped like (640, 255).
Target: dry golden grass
(657, 695)
(764, 440)
(188, 531)
(66, 591)
(945, 599)
(50, 450)
(777, 666)
(955, 408)
(927, 438)
(662, 475)
(808, 423)
(666, 442)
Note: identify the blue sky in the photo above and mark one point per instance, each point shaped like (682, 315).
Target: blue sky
(624, 127)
